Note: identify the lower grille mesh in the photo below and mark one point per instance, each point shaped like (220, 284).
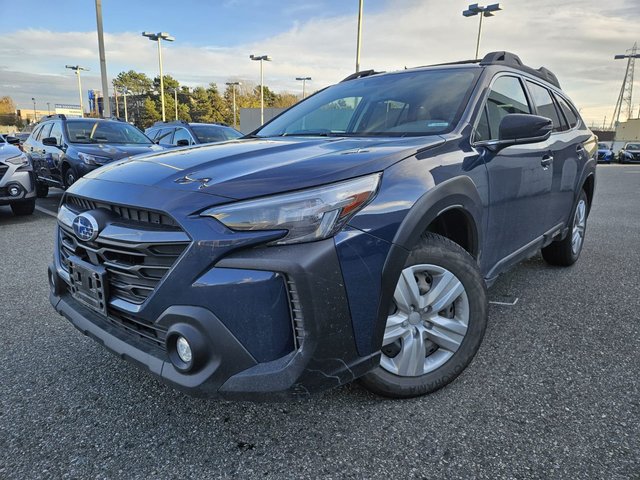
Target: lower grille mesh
(297, 320)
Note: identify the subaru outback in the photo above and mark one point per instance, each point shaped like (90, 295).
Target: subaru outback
(353, 236)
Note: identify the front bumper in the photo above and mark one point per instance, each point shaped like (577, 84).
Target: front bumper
(22, 177)
(324, 354)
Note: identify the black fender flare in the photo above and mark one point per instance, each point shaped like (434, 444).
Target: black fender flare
(460, 193)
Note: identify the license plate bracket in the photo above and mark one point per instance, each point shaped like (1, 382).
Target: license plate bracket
(88, 284)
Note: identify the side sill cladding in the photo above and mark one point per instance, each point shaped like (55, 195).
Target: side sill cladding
(458, 192)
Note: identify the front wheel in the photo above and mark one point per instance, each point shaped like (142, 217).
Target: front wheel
(566, 252)
(436, 323)
(69, 177)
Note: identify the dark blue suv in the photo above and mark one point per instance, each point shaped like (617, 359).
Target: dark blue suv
(354, 236)
(63, 149)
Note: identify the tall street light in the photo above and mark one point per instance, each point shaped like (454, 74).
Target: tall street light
(261, 59)
(35, 116)
(78, 69)
(48, 108)
(103, 62)
(233, 86)
(359, 40)
(158, 37)
(124, 97)
(487, 11)
(175, 101)
(304, 85)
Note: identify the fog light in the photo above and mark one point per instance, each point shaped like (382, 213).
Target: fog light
(184, 350)
(14, 191)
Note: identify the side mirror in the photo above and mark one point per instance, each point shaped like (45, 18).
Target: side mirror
(50, 141)
(519, 128)
(12, 140)
(183, 143)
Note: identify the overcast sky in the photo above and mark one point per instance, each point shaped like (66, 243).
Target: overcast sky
(576, 39)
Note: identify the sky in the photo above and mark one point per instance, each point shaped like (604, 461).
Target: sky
(576, 39)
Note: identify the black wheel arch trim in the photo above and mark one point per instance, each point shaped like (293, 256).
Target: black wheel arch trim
(460, 193)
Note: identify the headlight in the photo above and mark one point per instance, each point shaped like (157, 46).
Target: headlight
(307, 215)
(93, 159)
(20, 160)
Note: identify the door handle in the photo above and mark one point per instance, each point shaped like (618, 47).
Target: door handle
(546, 161)
(579, 149)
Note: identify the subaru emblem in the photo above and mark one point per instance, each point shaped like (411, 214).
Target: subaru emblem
(85, 227)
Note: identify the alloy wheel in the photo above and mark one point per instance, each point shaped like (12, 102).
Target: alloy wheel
(579, 226)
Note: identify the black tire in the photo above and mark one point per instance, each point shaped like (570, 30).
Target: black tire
(42, 190)
(69, 177)
(24, 208)
(561, 252)
(436, 250)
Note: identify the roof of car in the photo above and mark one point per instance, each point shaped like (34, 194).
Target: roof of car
(500, 58)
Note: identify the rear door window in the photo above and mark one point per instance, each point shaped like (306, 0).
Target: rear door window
(545, 105)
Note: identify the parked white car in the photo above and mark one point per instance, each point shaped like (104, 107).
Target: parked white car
(17, 182)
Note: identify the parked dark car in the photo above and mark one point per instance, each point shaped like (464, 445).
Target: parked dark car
(630, 153)
(182, 134)
(605, 153)
(64, 149)
(353, 236)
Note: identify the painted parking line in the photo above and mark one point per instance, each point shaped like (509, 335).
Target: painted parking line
(45, 211)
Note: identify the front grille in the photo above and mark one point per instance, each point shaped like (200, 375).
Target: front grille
(134, 269)
(297, 321)
(79, 204)
(3, 170)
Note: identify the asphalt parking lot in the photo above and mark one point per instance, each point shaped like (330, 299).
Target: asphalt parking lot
(553, 393)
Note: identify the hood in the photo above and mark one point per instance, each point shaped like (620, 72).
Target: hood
(8, 151)
(116, 152)
(254, 167)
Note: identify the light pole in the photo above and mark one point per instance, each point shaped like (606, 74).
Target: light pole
(48, 108)
(261, 59)
(103, 62)
(78, 69)
(35, 116)
(626, 92)
(304, 84)
(359, 40)
(233, 86)
(158, 37)
(487, 11)
(175, 101)
(124, 95)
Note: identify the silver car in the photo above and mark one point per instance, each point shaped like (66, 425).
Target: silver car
(17, 182)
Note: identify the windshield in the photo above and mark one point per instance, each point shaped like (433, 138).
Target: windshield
(214, 133)
(603, 146)
(407, 103)
(91, 131)
(633, 146)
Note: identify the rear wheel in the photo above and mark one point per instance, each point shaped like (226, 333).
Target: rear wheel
(566, 252)
(24, 208)
(436, 324)
(42, 190)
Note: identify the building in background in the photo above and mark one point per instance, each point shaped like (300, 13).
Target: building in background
(27, 114)
(68, 110)
(250, 117)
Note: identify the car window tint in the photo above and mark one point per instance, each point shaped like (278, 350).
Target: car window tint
(165, 136)
(569, 113)
(181, 134)
(44, 133)
(36, 132)
(482, 130)
(56, 132)
(545, 105)
(506, 96)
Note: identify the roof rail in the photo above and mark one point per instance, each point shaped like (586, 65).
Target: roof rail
(362, 74)
(168, 122)
(54, 115)
(511, 60)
